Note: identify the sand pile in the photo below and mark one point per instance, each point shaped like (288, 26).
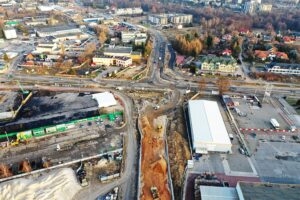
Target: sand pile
(59, 184)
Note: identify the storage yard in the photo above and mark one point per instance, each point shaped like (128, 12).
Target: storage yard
(67, 123)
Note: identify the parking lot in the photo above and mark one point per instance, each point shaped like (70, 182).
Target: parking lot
(253, 116)
(235, 164)
(278, 161)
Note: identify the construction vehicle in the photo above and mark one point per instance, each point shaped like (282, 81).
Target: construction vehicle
(14, 143)
(25, 92)
(159, 127)
(154, 192)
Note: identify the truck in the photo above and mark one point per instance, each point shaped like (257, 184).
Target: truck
(275, 123)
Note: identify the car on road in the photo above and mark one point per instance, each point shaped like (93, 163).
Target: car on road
(242, 151)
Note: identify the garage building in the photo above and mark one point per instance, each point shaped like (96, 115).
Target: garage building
(208, 131)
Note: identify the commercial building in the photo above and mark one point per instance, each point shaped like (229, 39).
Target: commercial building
(57, 30)
(180, 18)
(265, 8)
(164, 19)
(263, 191)
(105, 60)
(250, 7)
(70, 36)
(46, 47)
(223, 64)
(37, 22)
(129, 11)
(208, 131)
(10, 33)
(283, 68)
(158, 19)
(251, 190)
(137, 37)
(127, 37)
(118, 51)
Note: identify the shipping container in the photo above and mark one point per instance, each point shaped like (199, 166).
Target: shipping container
(61, 127)
(38, 132)
(51, 129)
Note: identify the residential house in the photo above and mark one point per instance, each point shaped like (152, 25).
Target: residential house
(267, 38)
(224, 64)
(227, 37)
(227, 52)
(288, 40)
(283, 68)
(179, 60)
(270, 54)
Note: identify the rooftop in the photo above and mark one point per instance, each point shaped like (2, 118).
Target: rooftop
(118, 50)
(263, 191)
(218, 59)
(294, 66)
(218, 193)
(56, 28)
(207, 124)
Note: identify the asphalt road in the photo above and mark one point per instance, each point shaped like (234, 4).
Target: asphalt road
(157, 81)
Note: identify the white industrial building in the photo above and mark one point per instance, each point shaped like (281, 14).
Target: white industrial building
(208, 131)
(129, 11)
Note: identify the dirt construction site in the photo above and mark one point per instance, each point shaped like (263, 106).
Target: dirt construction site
(153, 165)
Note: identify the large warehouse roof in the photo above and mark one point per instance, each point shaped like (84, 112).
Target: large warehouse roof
(206, 122)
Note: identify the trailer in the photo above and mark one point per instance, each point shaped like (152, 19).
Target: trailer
(275, 123)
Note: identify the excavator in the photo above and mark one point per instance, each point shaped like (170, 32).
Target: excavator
(25, 92)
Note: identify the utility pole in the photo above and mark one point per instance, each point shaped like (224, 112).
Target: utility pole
(267, 93)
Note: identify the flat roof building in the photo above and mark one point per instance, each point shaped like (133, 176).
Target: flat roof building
(57, 30)
(263, 191)
(118, 51)
(208, 131)
(218, 193)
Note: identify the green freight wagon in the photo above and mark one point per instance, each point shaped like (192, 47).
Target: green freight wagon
(51, 129)
(61, 127)
(38, 132)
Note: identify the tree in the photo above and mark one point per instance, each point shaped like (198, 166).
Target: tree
(102, 37)
(6, 58)
(209, 41)
(223, 85)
